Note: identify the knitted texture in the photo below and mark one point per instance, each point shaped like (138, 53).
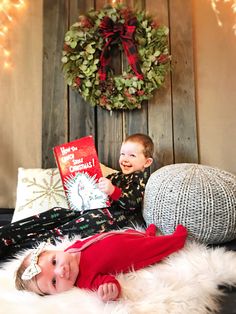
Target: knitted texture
(201, 198)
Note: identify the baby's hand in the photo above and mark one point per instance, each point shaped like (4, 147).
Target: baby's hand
(108, 292)
(106, 186)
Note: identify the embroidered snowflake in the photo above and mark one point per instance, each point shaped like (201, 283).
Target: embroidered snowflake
(44, 191)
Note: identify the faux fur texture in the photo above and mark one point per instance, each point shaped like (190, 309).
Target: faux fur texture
(186, 282)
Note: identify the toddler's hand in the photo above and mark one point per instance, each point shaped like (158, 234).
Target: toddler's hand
(106, 186)
(108, 292)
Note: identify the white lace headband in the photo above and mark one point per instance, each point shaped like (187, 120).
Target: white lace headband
(33, 269)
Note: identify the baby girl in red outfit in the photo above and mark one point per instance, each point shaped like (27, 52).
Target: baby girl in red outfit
(93, 263)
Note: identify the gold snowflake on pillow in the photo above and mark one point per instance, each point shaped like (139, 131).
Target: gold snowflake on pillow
(38, 190)
(47, 188)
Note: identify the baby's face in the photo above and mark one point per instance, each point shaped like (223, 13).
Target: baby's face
(59, 271)
(132, 158)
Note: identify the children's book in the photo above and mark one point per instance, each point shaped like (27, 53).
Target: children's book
(80, 171)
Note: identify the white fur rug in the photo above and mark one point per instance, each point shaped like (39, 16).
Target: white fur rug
(186, 282)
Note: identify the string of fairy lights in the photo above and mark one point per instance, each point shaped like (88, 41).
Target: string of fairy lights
(8, 12)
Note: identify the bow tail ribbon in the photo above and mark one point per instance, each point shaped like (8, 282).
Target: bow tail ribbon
(105, 60)
(131, 51)
(125, 33)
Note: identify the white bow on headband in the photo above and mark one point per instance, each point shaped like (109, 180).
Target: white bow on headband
(33, 269)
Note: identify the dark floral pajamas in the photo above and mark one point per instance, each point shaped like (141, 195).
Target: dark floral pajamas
(127, 210)
(58, 222)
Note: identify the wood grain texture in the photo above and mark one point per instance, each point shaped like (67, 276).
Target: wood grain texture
(182, 75)
(55, 104)
(82, 116)
(160, 105)
(109, 136)
(135, 121)
(109, 124)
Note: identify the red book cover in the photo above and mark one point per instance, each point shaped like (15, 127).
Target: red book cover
(80, 170)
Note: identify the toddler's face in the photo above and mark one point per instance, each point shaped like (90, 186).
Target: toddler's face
(59, 271)
(132, 158)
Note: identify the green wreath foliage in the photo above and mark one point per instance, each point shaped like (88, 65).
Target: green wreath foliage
(81, 60)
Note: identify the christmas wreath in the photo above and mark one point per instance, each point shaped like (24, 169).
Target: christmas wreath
(87, 55)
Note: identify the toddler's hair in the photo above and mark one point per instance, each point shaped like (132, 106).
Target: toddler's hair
(143, 139)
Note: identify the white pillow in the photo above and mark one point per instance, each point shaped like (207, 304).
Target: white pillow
(39, 190)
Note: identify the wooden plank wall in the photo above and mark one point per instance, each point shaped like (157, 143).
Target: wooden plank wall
(169, 117)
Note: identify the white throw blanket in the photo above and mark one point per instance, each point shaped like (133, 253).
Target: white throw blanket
(185, 282)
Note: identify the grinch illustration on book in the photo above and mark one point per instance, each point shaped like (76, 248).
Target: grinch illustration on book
(83, 192)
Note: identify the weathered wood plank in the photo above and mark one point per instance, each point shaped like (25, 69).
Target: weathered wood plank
(183, 93)
(109, 124)
(109, 137)
(160, 106)
(55, 106)
(135, 4)
(135, 121)
(99, 4)
(81, 114)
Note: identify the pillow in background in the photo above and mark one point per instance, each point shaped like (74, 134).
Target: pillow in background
(37, 191)
(107, 170)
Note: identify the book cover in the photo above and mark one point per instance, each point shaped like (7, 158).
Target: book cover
(80, 171)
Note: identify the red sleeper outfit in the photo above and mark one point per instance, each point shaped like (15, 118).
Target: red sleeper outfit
(123, 252)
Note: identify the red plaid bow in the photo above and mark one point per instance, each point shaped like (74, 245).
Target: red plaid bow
(113, 32)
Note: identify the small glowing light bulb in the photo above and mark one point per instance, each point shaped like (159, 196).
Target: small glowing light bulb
(5, 29)
(6, 53)
(9, 18)
(7, 65)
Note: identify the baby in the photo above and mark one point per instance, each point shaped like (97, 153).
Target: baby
(126, 187)
(93, 263)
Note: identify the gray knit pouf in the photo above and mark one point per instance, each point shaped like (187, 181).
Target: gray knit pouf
(201, 198)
